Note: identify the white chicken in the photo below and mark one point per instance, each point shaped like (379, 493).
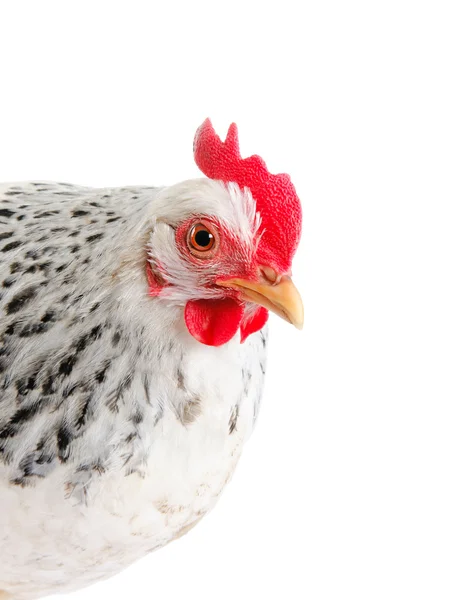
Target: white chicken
(132, 356)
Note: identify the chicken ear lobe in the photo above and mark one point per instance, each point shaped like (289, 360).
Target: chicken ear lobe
(213, 322)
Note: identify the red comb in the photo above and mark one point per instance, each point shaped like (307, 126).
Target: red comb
(275, 196)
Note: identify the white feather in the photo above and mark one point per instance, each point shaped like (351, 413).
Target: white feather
(131, 484)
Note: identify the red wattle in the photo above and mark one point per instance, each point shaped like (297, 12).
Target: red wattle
(213, 322)
(255, 323)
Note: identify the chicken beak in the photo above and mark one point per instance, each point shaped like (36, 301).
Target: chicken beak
(282, 298)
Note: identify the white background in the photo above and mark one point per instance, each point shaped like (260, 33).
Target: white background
(346, 489)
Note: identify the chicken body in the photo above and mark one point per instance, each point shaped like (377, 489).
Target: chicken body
(118, 429)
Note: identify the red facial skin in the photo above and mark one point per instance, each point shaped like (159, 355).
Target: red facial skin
(215, 321)
(155, 282)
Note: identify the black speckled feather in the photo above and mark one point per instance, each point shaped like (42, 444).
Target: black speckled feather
(118, 430)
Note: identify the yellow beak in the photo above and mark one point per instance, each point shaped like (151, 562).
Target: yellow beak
(281, 298)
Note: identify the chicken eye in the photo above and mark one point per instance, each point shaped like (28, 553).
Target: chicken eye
(201, 240)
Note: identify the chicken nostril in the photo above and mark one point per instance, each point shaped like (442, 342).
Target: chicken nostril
(270, 275)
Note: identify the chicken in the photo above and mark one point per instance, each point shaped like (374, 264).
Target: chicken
(132, 356)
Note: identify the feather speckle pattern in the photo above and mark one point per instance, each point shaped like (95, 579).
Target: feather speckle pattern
(132, 356)
(118, 430)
